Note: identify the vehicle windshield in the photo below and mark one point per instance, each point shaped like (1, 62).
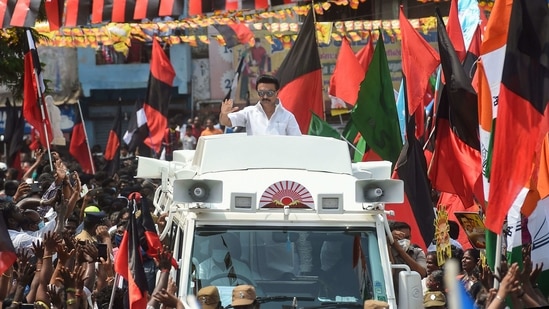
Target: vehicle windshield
(292, 268)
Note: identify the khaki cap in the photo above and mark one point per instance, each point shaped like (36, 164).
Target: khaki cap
(208, 297)
(375, 304)
(434, 299)
(243, 295)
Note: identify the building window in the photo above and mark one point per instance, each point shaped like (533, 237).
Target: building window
(137, 52)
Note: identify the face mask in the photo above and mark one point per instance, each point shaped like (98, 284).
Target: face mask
(218, 255)
(404, 243)
(41, 225)
(117, 239)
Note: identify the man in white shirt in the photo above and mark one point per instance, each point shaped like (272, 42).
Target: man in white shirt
(267, 117)
(223, 264)
(13, 216)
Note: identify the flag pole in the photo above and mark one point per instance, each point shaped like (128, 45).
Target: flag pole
(42, 114)
(351, 144)
(41, 102)
(114, 286)
(497, 260)
(86, 136)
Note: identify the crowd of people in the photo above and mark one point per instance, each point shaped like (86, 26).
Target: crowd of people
(515, 287)
(65, 230)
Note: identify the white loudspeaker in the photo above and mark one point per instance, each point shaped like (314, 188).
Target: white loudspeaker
(197, 191)
(151, 168)
(379, 191)
(410, 281)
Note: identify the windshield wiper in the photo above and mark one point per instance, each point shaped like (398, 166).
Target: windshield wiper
(268, 299)
(335, 304)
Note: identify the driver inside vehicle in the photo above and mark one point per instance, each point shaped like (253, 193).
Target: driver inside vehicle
(338, 277)
(223, 266)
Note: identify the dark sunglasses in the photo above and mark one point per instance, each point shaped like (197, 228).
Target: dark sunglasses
(269, 93)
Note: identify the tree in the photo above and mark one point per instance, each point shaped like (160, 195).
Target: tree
(13, 45)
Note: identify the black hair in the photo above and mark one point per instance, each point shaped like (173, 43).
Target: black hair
(399, 225)
(10, 187)
(89, 224)
(8, 211)
(122, 212)
(13, 172)
(103, 297)
(267, 79)
(73, 218)
(475, 254)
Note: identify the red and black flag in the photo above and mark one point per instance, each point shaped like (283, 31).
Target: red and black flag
(101, 11)
(170, 8)
(234, 34)
(417, 209)
(151, 119)
(300, 76)
(254, 4)
(112, 150)
(150, 241)
(129, 265)
(522, 120)
(198, 7)
(123, 11)
(7, 251)
(35, 110)
(14, 131)
(54, 12)
(78, 13)
(6, 11)
(146, 9)
(19, 13)
(79, 147)
(456, 137)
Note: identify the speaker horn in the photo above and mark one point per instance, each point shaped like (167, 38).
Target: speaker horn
(379, 191)
(197, 191)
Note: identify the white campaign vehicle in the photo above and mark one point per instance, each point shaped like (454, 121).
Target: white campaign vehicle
(290, 215)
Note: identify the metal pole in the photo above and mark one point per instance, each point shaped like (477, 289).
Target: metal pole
(351, 144)
(114, 286)
(86, 136)
(497, 260)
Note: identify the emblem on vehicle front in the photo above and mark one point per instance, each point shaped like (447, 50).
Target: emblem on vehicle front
(286, 193)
